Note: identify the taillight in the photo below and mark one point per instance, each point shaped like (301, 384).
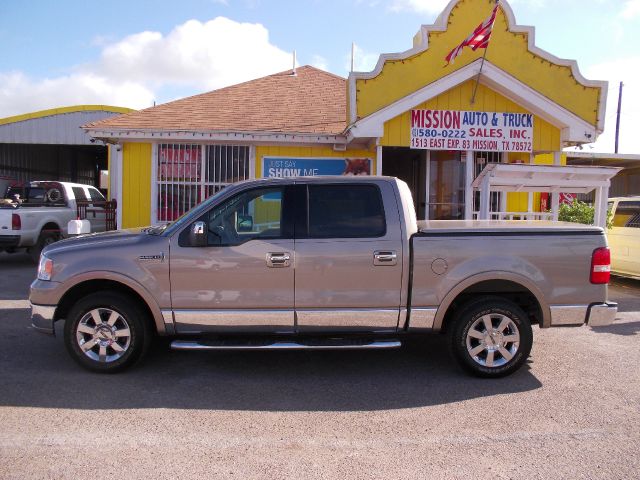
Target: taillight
(601, 266)
(16, 223)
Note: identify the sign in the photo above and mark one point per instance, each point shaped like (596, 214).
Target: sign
(478, 131)
(311, 167)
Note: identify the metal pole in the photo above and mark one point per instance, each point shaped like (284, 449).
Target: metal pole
(475, 88)
(618, 117)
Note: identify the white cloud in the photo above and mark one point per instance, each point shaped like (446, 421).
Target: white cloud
(363, 61)
(20, 94)
(208, 55)
(631, 9)
(320, 62)
(134, 71)
(626, 70)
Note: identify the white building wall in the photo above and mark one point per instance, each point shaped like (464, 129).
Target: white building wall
(57, 129)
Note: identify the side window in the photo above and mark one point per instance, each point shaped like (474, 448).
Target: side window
(250, 215)
(627, 214)
(78, 193)
(95, 195)
(346, 211)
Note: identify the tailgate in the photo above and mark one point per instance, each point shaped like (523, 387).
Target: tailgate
(5, 220)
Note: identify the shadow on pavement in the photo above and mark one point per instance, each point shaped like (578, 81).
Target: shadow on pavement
(37, 372)
(625, 329)
(17, 271)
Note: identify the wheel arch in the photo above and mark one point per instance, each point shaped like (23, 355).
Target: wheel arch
(501, 284)
(112, 283)
(50, 226)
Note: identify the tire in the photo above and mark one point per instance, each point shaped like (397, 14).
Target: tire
(107, 332)
(44, 240)
(491, 337)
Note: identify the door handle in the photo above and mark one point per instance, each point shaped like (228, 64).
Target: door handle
(385, 258)
(278, 260)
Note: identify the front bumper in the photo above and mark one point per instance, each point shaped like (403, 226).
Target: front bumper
(602, 314)
(42, 318)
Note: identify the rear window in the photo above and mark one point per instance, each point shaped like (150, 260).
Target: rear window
(37, 193)
(346, 211)
(627, 214)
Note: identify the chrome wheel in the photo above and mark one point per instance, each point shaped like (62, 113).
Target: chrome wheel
(103, 335)
(493, 340)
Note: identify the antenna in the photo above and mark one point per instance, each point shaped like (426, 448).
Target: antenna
(618, 117)
(353, 55)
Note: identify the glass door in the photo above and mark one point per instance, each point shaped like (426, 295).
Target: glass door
(446, 185)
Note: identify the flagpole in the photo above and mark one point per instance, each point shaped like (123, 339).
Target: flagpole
(484, 57)
(475, 88)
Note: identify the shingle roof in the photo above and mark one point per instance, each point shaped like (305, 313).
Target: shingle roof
(312, 101)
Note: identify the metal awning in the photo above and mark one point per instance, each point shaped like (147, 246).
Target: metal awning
(511, 177)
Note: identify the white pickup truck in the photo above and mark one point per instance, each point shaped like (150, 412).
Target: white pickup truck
(36, 214)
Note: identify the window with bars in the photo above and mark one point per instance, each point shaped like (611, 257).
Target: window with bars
(189, 174)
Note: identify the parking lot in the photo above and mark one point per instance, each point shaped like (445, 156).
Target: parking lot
(572, 412)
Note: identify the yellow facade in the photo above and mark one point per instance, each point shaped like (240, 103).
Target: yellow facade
(397, 132)
(136, 185)
(508, 50)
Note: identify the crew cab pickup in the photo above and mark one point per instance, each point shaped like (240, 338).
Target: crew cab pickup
(36, 214)
(321, 263)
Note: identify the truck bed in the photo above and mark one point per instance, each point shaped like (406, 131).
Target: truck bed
(477, 227)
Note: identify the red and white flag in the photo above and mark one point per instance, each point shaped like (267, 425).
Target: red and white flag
(478, 39)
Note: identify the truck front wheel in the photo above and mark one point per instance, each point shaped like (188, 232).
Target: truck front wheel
(491, 337)
(106, 332)
(44, 240)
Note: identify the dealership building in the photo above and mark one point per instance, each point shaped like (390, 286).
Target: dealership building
(435, 127)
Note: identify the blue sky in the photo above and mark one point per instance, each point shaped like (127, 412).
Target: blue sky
(132, 53)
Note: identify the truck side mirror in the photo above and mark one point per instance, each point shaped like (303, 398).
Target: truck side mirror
(198, 234)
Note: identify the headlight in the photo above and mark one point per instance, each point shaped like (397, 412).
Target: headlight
(45, 268)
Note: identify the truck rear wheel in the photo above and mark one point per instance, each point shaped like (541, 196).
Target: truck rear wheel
(491, 337)
(106, 332)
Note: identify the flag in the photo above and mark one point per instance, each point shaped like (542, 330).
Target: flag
(478, 39)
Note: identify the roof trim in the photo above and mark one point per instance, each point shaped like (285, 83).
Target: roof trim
(62, 110)
(573, 128)
(113, 135)
(440, 25)
(511, 177)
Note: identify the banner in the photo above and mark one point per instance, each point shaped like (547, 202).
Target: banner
(312, 167)
(478, 131)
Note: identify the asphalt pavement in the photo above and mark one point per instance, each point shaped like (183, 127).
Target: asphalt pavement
(572, 412)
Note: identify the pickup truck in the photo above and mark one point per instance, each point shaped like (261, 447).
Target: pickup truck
(321, 263)
(36, 214)
(624, 236)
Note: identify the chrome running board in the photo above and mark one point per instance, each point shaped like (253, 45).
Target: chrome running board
(331, 344)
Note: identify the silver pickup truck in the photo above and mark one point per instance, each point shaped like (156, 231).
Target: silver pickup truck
(321, 263)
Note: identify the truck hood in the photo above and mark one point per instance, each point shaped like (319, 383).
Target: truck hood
(98, 240)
